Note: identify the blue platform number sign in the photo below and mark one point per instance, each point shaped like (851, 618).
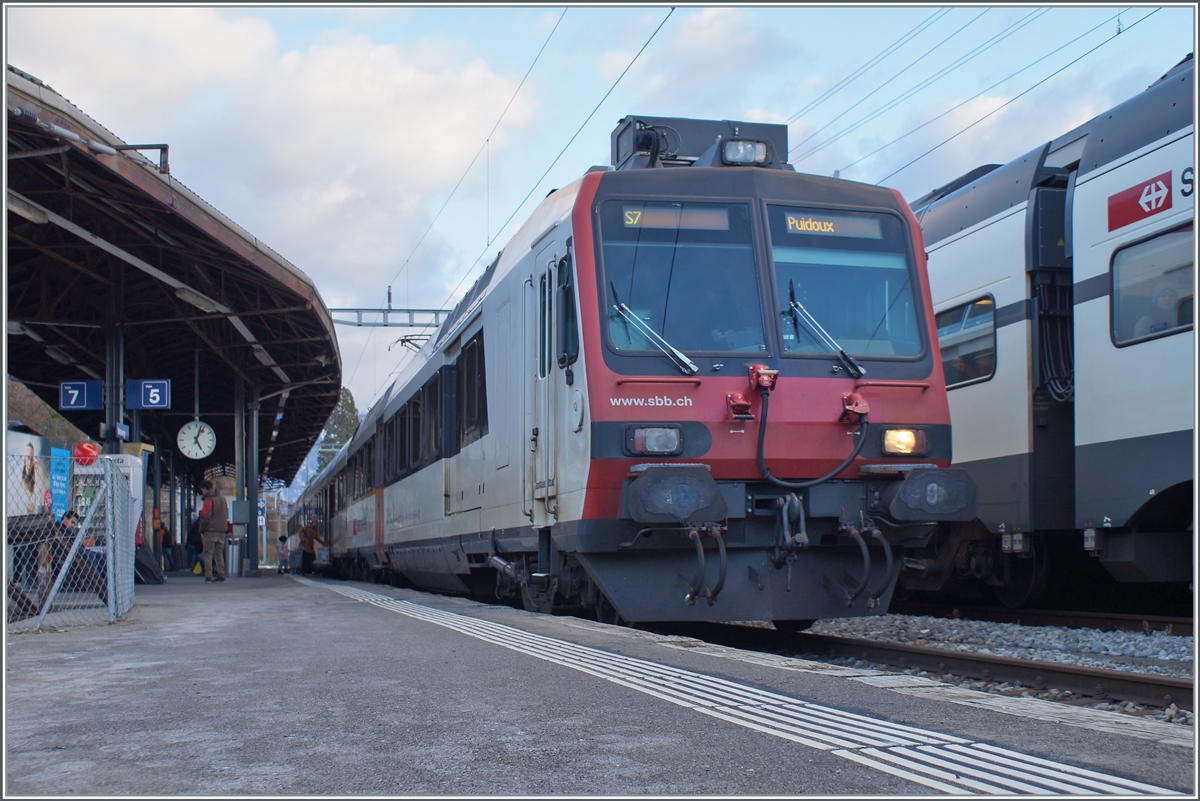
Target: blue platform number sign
(80, 395)
(148, 393)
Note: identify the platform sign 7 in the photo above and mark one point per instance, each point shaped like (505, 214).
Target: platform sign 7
(80, 395)
(148, 393)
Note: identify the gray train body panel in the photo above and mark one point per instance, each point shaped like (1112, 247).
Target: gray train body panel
(1115, 453)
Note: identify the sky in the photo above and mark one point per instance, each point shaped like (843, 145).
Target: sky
(397, 146)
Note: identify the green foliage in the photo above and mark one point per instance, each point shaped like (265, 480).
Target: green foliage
(338, 431)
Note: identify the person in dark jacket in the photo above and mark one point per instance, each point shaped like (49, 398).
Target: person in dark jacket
(214, 519)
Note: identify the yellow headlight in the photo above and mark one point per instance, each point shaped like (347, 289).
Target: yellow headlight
(903, 441)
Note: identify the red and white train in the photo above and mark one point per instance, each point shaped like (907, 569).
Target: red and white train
(695, 386)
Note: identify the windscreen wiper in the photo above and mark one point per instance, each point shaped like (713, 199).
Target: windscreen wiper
(798, 313)
(686, 365)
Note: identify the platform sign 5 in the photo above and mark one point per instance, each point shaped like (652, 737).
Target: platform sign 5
(80, 395)
(148, 393)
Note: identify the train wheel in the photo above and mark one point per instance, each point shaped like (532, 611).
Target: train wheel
(792, 626)
(1027, 578)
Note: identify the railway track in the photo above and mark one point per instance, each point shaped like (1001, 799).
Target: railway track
(1102, 621)
(1089, 684)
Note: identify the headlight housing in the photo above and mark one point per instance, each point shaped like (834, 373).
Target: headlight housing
(654, 440)
(903, 442)
(741, 151)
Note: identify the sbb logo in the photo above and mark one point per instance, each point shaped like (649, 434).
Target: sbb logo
(1139, 202)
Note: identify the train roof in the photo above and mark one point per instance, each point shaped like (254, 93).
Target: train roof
(1164, 107)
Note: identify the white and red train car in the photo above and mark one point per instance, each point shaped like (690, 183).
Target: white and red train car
(695, 386)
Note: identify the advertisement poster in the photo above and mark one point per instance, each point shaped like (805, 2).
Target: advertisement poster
(28, 475)
(60, 479)
(38, 476)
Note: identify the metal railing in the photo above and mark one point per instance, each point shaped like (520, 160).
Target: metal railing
(77, 569)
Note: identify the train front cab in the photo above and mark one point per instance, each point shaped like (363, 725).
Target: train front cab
(688, 282)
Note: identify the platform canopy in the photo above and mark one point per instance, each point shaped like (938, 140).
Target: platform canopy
(105, 246)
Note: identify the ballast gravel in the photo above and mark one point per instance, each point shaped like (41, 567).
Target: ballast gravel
(1156, 653)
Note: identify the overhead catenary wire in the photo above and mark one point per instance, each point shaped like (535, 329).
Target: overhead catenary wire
(1017, 97)
(556, 158)
(980, 93)
(484, 146)
(487, 140)
(961, 61)
(887, 51)
(895, 75)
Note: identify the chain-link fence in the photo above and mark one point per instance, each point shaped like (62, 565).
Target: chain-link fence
(77, 569)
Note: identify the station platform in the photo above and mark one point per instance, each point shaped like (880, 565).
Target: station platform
(285, 685)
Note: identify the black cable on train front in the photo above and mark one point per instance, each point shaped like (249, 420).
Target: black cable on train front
(762, 465)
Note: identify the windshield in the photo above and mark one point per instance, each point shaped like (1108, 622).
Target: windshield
(686, 270)
(851, 272)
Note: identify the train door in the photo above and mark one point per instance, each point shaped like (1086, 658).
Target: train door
(541, 396)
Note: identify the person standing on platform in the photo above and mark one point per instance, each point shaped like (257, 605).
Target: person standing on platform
(281, 554)
(166, 539)
(308, 541)
(214, 520)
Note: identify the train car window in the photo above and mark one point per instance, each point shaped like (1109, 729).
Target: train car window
(472, 392)
(967, 338)
(431, 420)
(402, 440)
(686, 269)
(416, 412)
(852, 273)
(1152, 287)
(364, 470)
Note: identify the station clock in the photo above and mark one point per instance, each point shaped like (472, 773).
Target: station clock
(196, 440)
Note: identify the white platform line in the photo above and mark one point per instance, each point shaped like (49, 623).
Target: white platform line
(1054, 779)
(864, 758)
(1126, 784)
(945, 760)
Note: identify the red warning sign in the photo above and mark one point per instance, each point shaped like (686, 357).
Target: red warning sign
(1139, 202)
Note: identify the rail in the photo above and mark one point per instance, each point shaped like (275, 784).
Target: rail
(1101, 621)
(1094, 683)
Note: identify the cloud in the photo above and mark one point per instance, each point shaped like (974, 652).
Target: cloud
(336, 155)
(711, 62)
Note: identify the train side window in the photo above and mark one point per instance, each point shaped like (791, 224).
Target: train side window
(431, 420)
(472, 392)
(416, 409)
(568, 326)
(967, 338)
(1152, 287)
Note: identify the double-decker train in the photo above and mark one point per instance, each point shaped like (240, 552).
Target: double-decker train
(696, 385)
(1063, 284)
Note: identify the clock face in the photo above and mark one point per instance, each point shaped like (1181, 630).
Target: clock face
(196, 440)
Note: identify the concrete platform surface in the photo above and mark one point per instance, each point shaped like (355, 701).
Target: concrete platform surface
(287, 686)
